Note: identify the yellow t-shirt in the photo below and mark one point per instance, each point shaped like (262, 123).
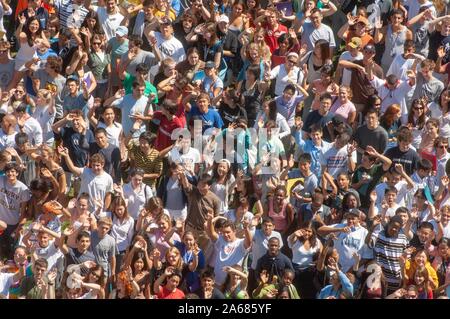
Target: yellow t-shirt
(160, 14)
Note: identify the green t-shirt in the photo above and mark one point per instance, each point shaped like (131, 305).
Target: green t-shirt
(149, 88)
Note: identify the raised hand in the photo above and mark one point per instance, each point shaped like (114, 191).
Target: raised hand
(445, 181)
(264, 277)
(441, 52)
(63, 151)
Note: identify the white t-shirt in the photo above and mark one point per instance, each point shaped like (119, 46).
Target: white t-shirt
(45, 120)
(112, 132)
(172, 48)
(260, 244)
(97, 186)
(402, 191)
(231, 215)
(282, 77)
(303, 257)
(228, 254)
(123, 232)
(336, 160)
(347, 74)
(136, 198)
(109, 22)
(34, 131)
(347, 244)
(10, 199)
(51, 253)
(188, 159)
(6, 281)
(7, 140)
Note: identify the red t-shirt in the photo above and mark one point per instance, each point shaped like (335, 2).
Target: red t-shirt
(166, 127)
(272, 36)
(166, 294)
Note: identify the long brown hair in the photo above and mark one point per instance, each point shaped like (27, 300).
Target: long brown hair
(421, 120)
(388, 117)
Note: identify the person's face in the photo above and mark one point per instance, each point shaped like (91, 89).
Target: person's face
(203, 187)
(274, 247)
(268, 227)
(103, 229)
(187, 23)
(3, 53)
(316, 19)
(136, 180)
(272, 18)
(34, 26)
(396, 19)
(291, 62)
(443, 250)
(44, 240)
(222, 169)
(287, 95)
(343, 95)
(403, 145)
(101, 139)
(445, 29)
(144, 145)
(209, 72)
(390, 197)
(284, 45)
(120, 211)
(394, 229)
(97, 167)
(193, 58)
(223, 26)
(404, 217)
(425, 234)
(82, 205)
(432, 129)
(307, 233)
(163, 225)
(11, 175)
(426, 72)
(316, 137)
(109, 115)
(441, 147)
(84, 243)
(352, 202)
(94, 276)
(91, 22)
(280, 196)
(288, 278)
(228, 234)
(411, 294)
(360, 28)
(207, 283)
(372, 121)
(173, 282)
(73, 87)
(325, 105)
(251, 3)
(352, 221)
(203, 105)
(166, 29)
(325, 77)
(189, 241)
(110, 4)
(420, 259)
(343, 182)
(139, 91)
(304, 166)
(445, 217)
(39, 272)
(368, 54)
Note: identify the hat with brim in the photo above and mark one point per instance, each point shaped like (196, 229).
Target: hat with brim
(355, 42)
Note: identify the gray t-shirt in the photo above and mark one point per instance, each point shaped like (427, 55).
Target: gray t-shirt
(59, 82)
(432, 89)
(174, 195)
(6, 73)
(104, 249)
(311, 35)
(145, 57)
(129, 106)
(421, 38)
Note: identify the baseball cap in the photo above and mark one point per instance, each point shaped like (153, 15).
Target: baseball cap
(292, 54)
(122, 31)
(210, 65)
(223, 18)
(355, 42)
(363, 20)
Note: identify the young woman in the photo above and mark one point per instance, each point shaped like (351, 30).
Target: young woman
(373, 282)
(251, 90)
(416, 120)
(113, 129)
(79, 67)
(238, 19)
(306, 247)
(48, 164)
(45, 114)
(270, 113)
(286, 73)
(153, 210)
(136, 193)
(429, 135)
(99, 62)
(122, 229)
(245, 188)
(340, 288)
(325, 84)
(16, 97)
(441, 261)
(235, 284)
(314, 60)
(191, 67)
(159, 236)
(419, 260)
(280, 210)
(344, 106)
(422, 282)
(240, 214)
(391, 122)
(223, 184)
(139, 263)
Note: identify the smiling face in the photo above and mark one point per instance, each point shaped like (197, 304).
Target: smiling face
(34, 26)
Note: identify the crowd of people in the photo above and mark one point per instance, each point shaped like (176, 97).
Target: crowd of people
(220, 149)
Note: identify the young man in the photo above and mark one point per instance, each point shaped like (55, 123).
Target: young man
(8, 132)
(140, 76)
(310, 180)
(229, 249)
(396, 177)
(388, 206)
(134, 107)
(269, 21)
(134, 62)
(208, 291)
(260, 244)
(201, 202)
(371, 134)
(341, 157)
(201, 109)
(369, 174)
(73, 98)
(167, 44)
(109, 17)
(274, 262)
(110, 152)
(315, 211)
(14, 196)
(343, 76)
(322, 117)
(104, 247)
(39, 286)
(170, 118)
(7, 280)
(81, 255)
(403, 153)
(94, 180)
(350, 239)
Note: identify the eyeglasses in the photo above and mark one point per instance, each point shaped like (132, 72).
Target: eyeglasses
(97, 43)
(21, 92)
(442, 146)
(292, 61)
(418, 108)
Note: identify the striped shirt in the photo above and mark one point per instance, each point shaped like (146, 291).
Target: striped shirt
(387, 253)
(151, 163)
(66, 10)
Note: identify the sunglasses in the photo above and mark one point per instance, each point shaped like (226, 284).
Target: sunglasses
(97, 43)
(418, 108)
(291, 61)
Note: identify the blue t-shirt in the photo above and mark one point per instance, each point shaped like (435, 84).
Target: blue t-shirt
(192, 277)
(209, 119)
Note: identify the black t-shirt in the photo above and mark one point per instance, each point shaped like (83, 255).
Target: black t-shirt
(180, 34)
(74, 257)
(216, 294)
(112, 159)
(437, 40)
(316, 118)
(229, 114)
(78, 146)
(408, 159)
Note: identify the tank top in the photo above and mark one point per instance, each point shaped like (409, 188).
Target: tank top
(393, 46)
(279, 219)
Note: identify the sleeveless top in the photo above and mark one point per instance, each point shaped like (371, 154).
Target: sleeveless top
(279, 219)
(393, 46)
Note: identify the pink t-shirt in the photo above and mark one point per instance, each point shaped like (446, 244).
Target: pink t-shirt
(159, 242)
(342, 109)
